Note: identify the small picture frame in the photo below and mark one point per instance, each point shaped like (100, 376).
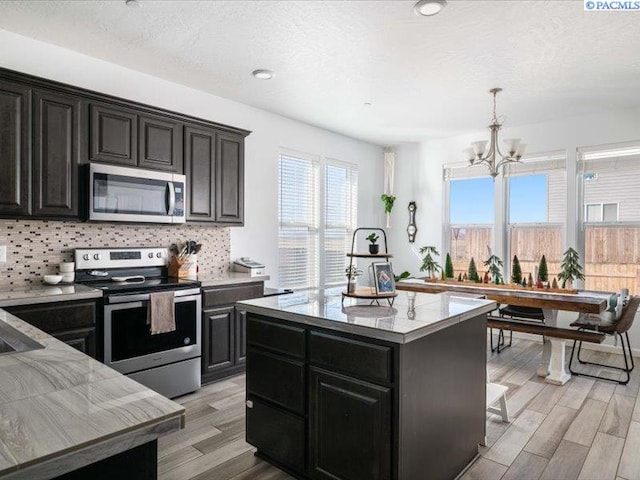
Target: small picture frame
(383, 278)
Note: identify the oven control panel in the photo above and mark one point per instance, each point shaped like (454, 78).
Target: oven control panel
(103, 258)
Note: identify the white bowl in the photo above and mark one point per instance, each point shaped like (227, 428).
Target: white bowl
(52, 279)
(67, 267)
(68, 277)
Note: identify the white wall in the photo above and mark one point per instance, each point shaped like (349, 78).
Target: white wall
(419, 177)
(258, 238)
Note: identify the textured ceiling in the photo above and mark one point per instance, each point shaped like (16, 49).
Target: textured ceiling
(425, 77)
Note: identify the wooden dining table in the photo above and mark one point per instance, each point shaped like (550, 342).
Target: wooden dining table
(552, 366)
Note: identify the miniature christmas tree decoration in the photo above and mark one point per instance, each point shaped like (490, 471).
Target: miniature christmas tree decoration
(570, 269)
(473, 271)
(543, 274)
(429, 264)
(554, 284)
(516, 270)
(495, 264)
(448, 267)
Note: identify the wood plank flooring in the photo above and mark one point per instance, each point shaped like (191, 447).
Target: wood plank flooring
(586, 429)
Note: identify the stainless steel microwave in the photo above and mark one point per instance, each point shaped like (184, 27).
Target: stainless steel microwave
(123, 194)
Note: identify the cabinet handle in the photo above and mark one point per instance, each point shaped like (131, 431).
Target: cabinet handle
(249, 404)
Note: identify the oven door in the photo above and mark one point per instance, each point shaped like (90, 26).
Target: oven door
(128, 343)
(134, 195)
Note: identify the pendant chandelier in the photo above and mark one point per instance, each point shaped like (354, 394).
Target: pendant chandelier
(478, 154)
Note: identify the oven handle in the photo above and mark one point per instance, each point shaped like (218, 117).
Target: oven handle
(180, 295)
(172, 197)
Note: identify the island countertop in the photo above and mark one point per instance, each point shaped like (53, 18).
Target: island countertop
(61, 410)
(412, 316)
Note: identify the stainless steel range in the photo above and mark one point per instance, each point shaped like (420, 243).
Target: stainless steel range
(168, 363)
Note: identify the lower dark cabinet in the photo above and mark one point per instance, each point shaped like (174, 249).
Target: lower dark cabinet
(276, 433)
(350, 425)
(71, 322)
(224, 329)
(218, 339)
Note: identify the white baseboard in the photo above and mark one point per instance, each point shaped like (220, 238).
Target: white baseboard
(600, 347)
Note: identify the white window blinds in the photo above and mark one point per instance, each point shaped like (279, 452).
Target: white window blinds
(340, 212)
(298, 226)
(317, 215)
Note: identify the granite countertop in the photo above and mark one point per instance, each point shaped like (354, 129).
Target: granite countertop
(412, 316)
(229, 278)
(61, 410)
(40, 293)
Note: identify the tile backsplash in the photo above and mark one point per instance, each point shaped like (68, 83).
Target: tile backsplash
(36, 247)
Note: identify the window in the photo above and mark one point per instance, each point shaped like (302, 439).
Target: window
(601, 212)
(537, 198)
(471, 216)
(317, 216)
(611, 216)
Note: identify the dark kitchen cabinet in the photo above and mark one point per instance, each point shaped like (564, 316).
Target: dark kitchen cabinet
(229, 179)
(224, 329)
(56, 155)
(48, 128)
(72, 322)
(160, 143)
(218, 335)
(113, 135)
(370, 409)
(199, 167)
(344, 410)
(15, 149)
(126, 137)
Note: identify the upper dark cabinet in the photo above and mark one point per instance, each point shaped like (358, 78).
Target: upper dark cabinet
(15, 149)
(199, 167)
(56, 154)
(160, 143)
(229, 178)
(113, 135)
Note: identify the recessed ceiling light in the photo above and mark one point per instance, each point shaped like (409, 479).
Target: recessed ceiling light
(132, 3)
(367, 104)
(262, 74)
(428, 8)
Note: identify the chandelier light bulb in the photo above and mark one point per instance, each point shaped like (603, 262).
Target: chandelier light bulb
(479, 147)
(512, 145)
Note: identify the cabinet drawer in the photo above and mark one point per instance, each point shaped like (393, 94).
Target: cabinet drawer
(53, 317)
(276, 433)
(360, 359)
(277, 379)
(230, 295)
(276, 337)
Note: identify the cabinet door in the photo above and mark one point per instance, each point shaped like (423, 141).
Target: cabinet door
(113, 135)
(57, 154)
(160, 144)
(15, 149)
(199, 167)
(241, 337)
(83, 339)
(218, 339)
(229, 179)
(349, 428)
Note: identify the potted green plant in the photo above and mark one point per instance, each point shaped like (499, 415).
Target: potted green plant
(352, 272)
(570, 269)
(374, 248)
(388, 201)
(429, 264)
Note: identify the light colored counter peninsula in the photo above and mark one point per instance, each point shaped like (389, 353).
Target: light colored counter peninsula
(65, 415)
(363, 391)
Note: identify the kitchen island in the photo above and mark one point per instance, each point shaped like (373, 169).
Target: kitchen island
(65, 415)
(366, 392)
